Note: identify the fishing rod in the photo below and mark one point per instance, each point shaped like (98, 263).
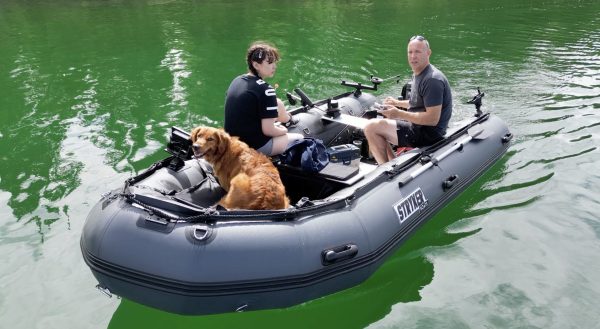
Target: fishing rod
(397, 77)
(375, 81)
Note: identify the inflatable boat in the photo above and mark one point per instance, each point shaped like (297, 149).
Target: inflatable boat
(160, 240)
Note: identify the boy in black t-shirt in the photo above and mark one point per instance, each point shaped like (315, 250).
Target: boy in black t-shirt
(252, 107)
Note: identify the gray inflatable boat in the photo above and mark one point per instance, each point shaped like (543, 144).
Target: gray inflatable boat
(160, 241)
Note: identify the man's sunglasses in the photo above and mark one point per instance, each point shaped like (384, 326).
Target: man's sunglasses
(417, 37)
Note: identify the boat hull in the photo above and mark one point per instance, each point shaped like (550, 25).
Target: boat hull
(241, 261)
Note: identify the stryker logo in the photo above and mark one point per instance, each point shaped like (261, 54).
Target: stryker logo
(409, 205)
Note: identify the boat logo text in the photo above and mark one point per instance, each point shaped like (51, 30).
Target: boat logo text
(410, 205)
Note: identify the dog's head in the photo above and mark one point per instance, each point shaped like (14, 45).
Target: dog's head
(209, 141)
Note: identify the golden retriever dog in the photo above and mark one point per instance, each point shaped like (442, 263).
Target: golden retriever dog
(249, 177)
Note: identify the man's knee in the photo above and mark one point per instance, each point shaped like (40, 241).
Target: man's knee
(368, 129)
(372, 128)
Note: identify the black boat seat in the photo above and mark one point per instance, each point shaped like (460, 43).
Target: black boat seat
(339, 171)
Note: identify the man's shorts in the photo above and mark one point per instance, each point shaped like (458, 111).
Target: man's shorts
(414, 135)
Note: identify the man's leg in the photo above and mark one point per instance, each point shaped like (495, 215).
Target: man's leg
(380, 133)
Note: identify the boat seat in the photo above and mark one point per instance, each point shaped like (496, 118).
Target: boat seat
(345, 175)
(338, 171)
(194, 184)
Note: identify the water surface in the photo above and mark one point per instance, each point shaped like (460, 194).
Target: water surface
(89, 89)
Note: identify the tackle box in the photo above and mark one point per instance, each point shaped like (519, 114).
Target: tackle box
(346, 154)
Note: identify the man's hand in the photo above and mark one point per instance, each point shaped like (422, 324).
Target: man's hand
(390, 101)
(397, 103)
(389, 111)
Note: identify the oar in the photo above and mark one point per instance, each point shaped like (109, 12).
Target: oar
(473, 133)
(479, 133)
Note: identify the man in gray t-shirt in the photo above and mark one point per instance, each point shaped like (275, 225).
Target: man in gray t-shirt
(419, 121)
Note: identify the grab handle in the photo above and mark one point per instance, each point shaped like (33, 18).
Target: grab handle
(449, 182)
(200, 233)
(337, 254)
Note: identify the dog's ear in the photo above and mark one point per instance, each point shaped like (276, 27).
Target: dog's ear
(194, 134)
(223, 140)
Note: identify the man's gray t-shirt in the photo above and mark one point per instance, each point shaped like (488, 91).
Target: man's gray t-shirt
(431, 88)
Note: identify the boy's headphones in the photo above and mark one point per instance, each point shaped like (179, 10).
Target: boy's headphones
(258, 54)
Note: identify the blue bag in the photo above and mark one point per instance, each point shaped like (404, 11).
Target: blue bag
(310, 154)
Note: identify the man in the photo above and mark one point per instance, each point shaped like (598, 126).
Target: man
(427, 113)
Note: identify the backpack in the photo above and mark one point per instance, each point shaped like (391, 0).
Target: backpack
(309, 153)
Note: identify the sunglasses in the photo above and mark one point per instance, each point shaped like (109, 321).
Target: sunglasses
(417, 37)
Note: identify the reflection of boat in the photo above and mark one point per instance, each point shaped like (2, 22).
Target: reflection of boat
(157, 241)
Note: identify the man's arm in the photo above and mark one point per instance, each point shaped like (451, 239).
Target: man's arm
(430, 117)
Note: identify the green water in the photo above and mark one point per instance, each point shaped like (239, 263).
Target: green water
(88, 89)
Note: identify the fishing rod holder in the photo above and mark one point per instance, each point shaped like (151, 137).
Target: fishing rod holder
(292, 99)
(305, 101)
(180, 146)
(333, 108)
(477, 101)
(359, 86)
